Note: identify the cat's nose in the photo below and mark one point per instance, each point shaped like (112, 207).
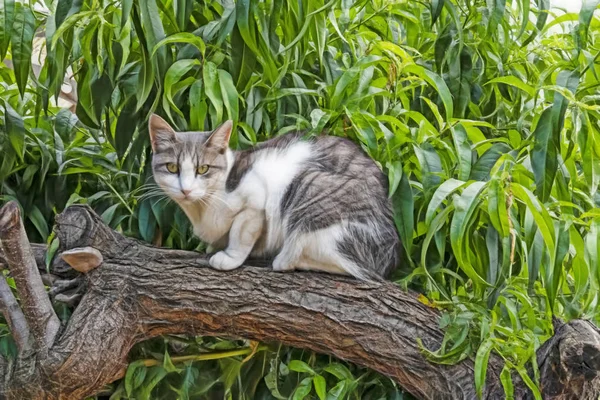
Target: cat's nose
(186, 192)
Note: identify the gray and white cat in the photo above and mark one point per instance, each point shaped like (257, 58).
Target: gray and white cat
(314, 203)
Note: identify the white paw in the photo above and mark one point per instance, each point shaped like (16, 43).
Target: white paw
(282, 265)
(224, 262)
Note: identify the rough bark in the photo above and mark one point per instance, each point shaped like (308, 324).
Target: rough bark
(139, 292)
(39, 314)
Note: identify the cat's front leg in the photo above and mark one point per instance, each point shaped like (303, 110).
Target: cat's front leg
(245, 231)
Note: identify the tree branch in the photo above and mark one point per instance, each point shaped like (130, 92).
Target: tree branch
(38, 311)
(140, 292)
(13, 316)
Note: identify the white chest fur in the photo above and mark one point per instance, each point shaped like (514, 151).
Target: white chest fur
(261, 189)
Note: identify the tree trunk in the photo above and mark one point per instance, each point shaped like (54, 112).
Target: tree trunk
(139, 292)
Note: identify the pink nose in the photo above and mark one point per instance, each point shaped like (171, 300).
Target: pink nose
(186, 192)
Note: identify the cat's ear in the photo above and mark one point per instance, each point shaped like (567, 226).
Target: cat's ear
(161, 133)
(219, 139)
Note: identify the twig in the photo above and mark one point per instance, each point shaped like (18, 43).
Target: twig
(39, 314)
(13, 315)
(207, 356)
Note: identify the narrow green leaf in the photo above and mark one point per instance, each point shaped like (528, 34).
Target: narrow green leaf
(585, 17)
(441, 193)
(7, 17)
(182, 37)
(544, 159)
(22, 38)
(174, 74)
(404, 212)
(481, 365)
(15, 128)
(437, 83)
(229, 94)
(466, 205)
(212, 89)
(146, 221)
(463, 149)
(514, 81)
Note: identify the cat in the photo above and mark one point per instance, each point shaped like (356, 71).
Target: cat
(313, 203)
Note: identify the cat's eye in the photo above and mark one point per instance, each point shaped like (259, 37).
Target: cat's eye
(201, 170)
(172, 168)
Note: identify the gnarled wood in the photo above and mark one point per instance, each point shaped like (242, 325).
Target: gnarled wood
(39, 314)
(140, 292)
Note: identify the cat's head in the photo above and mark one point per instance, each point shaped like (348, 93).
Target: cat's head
(189, 166)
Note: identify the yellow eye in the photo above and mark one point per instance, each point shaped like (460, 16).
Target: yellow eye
(201, 170)
(172, 168)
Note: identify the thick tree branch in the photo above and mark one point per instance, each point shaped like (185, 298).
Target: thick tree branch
(140, 292)
(40, 315)
(13, 315)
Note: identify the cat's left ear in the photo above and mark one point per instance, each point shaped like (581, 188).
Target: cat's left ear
(219, 139)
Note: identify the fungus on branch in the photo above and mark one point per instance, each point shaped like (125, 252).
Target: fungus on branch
(82, 259)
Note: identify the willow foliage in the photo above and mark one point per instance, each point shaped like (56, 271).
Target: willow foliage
(484, 114)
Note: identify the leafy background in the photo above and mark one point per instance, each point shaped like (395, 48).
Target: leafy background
(484, 114)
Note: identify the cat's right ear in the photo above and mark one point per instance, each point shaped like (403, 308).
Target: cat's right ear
(161, 133)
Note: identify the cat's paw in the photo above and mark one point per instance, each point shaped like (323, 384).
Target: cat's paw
(282, 265)
(224, 262)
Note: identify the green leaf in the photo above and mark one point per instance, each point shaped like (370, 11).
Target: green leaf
(516, 82)
(7, 17)
(339, 391)
(15, 128)
(340, 371)
(320, 386)
(497, 8)
(300, 366)
(153, 28)
(271, 379)
(174, 74)
(463, 149)
(394, 175)
(540, 214)
(463, 218)
(497, 207)
(134, 377)
(481, 365)
(168, 364)
(230, 369)
(38, 220)
(182, 37)
(213, 90)
(108, 214)
(146, 79)
(229, 94)
(442, 192)
(585, 17)
(303, 389)
(146, 221)
(544, 159)
(153, 377)
(437, 83)
(22, 38)
(404, 213)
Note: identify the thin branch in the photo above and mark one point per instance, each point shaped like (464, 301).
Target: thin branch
(40, 315)
(13, 315)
